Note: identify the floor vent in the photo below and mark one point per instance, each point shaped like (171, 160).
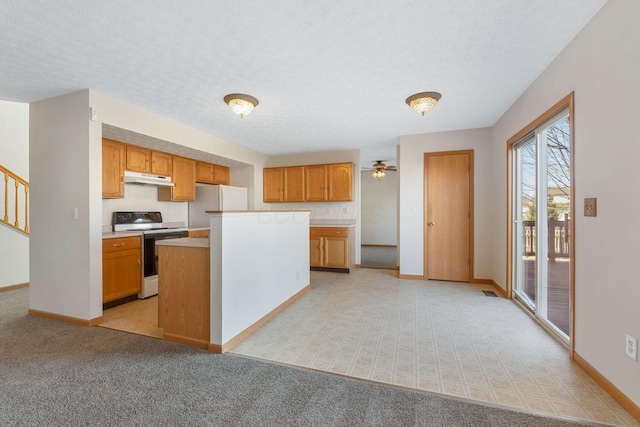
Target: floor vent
(490, 294)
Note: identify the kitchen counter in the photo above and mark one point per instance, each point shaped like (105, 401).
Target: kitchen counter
(186, 242)
(332, 223)
(116, 234)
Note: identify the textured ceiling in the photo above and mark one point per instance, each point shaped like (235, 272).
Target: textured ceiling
(329, 74)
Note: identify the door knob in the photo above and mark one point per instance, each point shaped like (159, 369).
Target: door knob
(431, 224)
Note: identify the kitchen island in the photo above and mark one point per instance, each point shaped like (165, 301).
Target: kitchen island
(214, 292)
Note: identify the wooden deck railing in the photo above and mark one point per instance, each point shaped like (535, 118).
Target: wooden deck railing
(558, 238)
(15, 201)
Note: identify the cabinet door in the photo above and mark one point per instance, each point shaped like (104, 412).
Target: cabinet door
(220, 175)
(315, 251)
(272, 190)
(340, 182)
(204, 172)
(121, 268)
(161, 163)
(184, 178)
(138, 159)
(294, 184)
(336, 252)
(113, 158)
(315, 183)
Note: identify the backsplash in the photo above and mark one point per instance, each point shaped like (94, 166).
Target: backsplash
(143, 198)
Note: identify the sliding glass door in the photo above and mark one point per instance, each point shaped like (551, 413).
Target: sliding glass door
(541, 213)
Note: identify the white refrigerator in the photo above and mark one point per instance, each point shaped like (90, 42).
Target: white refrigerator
(215, 198)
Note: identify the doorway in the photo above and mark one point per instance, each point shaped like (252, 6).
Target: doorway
(541, 219)
(379, 220)
(448, 215)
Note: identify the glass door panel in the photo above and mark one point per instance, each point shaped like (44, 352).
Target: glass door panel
(542, 217)
(525, 221)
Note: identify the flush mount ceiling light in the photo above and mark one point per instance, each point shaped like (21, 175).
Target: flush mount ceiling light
(240, 103)
(423, 102)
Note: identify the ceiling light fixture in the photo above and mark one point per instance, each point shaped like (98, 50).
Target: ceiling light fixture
(423, 102)
(379, 173)
(240, 103)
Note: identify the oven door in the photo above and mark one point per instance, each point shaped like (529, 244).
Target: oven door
(151, 251)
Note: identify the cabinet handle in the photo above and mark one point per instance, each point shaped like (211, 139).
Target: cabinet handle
(118, 244)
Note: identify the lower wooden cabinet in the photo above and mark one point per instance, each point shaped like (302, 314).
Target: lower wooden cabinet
(121, 267)
(330, 247)
(199, 233)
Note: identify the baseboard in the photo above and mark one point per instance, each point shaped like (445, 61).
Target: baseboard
(193, 342)
(217, 348)
(68, 319)
(12, 287)
(608, 386)
(410, 276)
(497, 287)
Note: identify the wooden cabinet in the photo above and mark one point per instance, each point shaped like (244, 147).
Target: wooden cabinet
(184, 294)
(329, 183)
(310, 183)
(138, 159)
(283, 184)
(113, 162)
(161, 163)
(184, 179)
(330, 247)
(121, 268)
(272, 185)
(208, 173)
(199, 233)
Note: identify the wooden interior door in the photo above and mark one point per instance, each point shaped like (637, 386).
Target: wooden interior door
(448, 215)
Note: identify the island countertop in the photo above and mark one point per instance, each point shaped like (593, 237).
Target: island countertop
(189, 242)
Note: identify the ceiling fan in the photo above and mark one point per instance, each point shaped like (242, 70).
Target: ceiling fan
(379, 169)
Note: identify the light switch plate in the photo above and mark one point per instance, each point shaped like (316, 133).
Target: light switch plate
(590, 206)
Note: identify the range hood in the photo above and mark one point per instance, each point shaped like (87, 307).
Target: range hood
(147, 179)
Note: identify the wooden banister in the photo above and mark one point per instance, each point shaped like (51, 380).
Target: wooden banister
(20, 210)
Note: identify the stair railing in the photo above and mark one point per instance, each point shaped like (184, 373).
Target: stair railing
(20, 186)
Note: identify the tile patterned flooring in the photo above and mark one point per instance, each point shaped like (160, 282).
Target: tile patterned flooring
(441, 337)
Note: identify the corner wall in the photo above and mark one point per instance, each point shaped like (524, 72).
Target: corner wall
(14, 155)
(601, 66)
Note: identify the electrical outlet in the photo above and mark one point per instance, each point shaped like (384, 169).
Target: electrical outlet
(632, 347)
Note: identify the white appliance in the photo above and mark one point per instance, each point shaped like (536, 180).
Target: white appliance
(141, 178)
(216, 198)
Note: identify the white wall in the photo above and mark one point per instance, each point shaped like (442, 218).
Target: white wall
(64, 278)
(14, 155)
(379, 210)
(241, 296)
(325, 210)
(601, 65)
(411, 195)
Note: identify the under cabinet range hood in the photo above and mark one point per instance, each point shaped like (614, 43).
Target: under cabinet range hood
(147, 179)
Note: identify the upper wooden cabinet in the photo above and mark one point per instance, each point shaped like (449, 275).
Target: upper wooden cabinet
(283, 184)
(310, 183)
(208, 173)
(272, 185)
(138, 159)
(329, 183)
(161, 163)
(184, 179)
(113, 162)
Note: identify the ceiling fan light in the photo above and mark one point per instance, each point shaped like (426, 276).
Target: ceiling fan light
(241, 104)
(423, 102)
(379, 173)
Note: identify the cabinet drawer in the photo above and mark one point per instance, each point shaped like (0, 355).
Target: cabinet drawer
(120, 243)
(329, 231)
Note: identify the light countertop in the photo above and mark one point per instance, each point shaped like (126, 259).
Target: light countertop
(189, 242)
(116, 234)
